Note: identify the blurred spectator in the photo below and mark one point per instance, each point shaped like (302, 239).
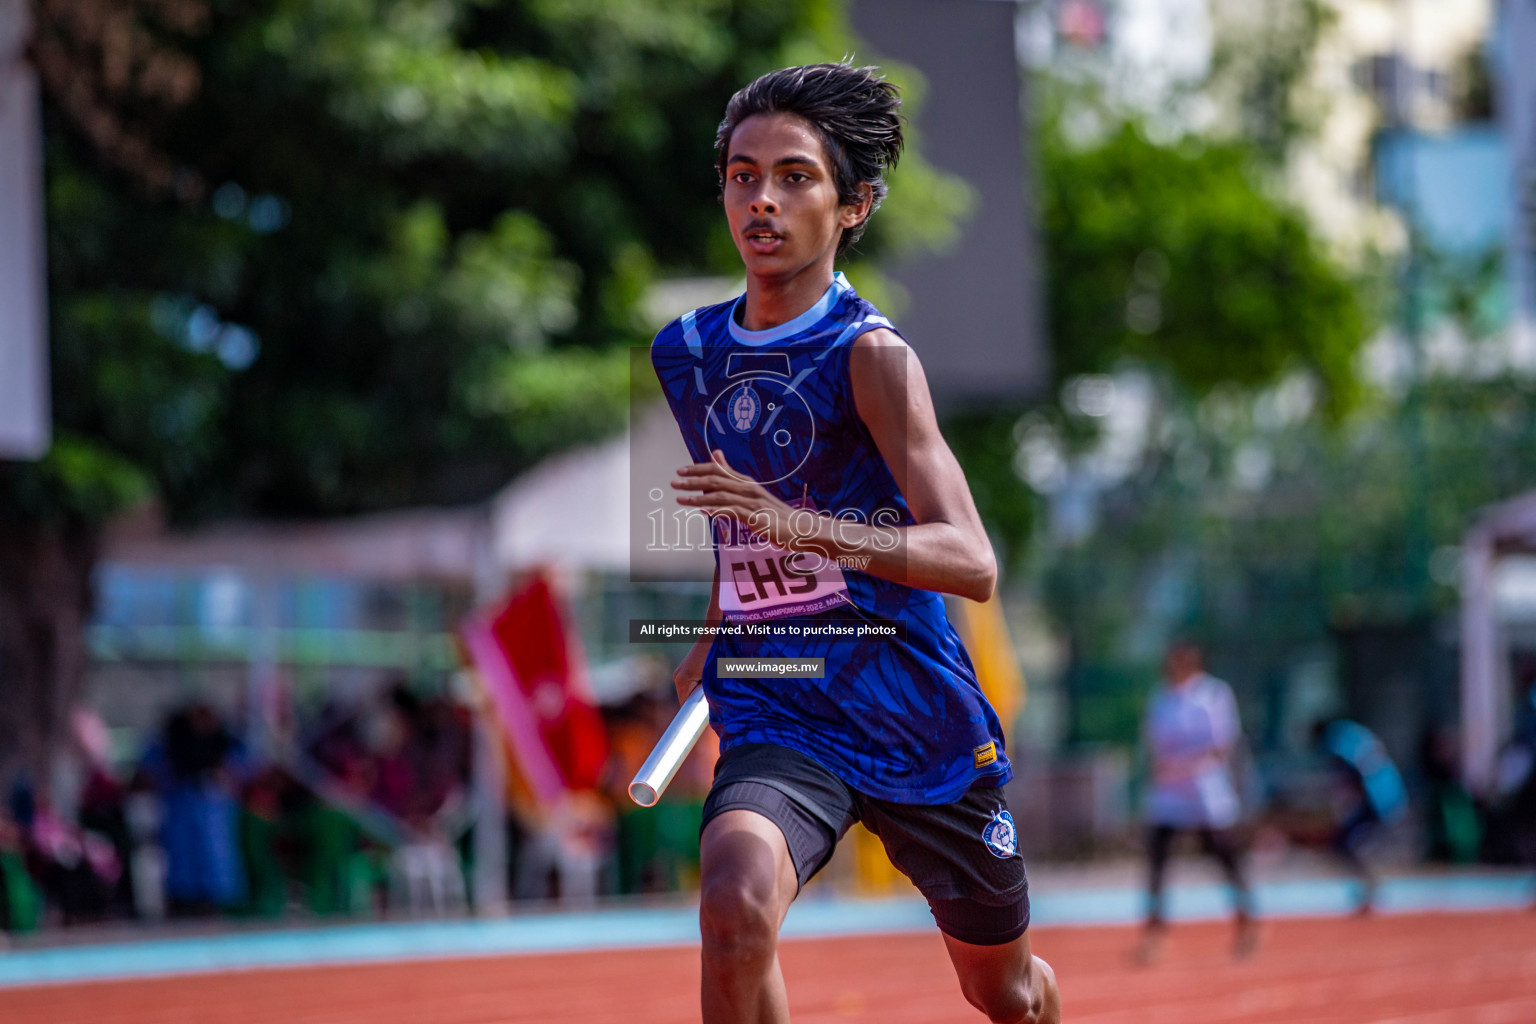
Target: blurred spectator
(264, 828)
(1525, 717)
(1368, 795)
(387, 735)
(20, 902)
(1452, 826)
(412, 753)
(656, 848)
(144, 814)
(444, 734)
(77, 871)
(632, 731)
(404, 762)
(195, 768)
(102, 803)
(1511, 834)
(195, 833)
(335, 745)
(428, 753)
(1191, 731)
(561, 854)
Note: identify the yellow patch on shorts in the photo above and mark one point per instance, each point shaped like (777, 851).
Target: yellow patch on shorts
(985, 754)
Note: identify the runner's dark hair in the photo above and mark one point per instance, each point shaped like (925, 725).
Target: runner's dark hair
(856, 112)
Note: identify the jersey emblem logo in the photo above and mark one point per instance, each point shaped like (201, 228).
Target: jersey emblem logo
(745, 408)
(1001, 837)
(985, 754)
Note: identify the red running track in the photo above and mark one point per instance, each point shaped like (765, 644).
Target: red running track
(1423, 969)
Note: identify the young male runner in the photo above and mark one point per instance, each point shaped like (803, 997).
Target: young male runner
(800, 396)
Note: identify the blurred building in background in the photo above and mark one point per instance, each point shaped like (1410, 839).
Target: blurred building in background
(25, 425)
(1383, 69)
(1517, 115)
(973, 310)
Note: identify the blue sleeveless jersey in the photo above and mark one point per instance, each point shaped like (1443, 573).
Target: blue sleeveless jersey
(901, 720)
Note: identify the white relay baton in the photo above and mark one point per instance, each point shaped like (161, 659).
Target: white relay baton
(686, 728)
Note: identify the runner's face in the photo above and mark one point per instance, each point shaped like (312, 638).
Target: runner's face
(781, 196)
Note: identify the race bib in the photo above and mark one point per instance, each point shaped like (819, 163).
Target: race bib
(760, 580)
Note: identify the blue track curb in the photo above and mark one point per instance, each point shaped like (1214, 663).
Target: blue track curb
(629, 928)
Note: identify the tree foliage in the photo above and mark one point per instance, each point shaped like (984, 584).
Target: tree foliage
(319, 256)
(1263, 69)
(315, 257)
(323, 256)
(1175, 257)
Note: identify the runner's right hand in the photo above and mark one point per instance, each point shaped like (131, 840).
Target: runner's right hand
(691, 670)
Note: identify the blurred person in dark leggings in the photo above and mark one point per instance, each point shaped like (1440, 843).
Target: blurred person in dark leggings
(1368, 795)
(1191, 729)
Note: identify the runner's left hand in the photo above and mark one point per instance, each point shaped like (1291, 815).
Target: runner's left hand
(724, 492)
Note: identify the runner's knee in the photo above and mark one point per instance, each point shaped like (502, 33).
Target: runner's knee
(1004, 1004)
(738, 917)
(1019, 999)
(737, 899)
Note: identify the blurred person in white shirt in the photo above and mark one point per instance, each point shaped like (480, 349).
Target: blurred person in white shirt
(1191, 729)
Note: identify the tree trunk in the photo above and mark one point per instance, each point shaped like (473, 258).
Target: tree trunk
(45, 602)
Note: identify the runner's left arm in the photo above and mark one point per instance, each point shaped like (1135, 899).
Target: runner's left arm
(945, 550)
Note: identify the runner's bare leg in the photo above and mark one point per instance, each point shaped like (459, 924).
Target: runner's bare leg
(747, 884)
(1008, 983)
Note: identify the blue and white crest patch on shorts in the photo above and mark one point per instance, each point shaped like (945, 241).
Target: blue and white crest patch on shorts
(1000, 835)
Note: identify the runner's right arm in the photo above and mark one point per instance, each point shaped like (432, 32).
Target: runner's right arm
(691, 669)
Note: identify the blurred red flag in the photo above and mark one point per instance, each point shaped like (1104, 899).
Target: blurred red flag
(536, 677)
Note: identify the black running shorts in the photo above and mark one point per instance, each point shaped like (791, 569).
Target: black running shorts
(963, 857)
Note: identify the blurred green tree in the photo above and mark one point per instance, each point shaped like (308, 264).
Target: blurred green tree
(1175, 258)
(312, 257)
(1263, 78)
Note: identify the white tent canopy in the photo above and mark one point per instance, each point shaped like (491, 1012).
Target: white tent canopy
(572, 510)
(578, 510)
(447, 544)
